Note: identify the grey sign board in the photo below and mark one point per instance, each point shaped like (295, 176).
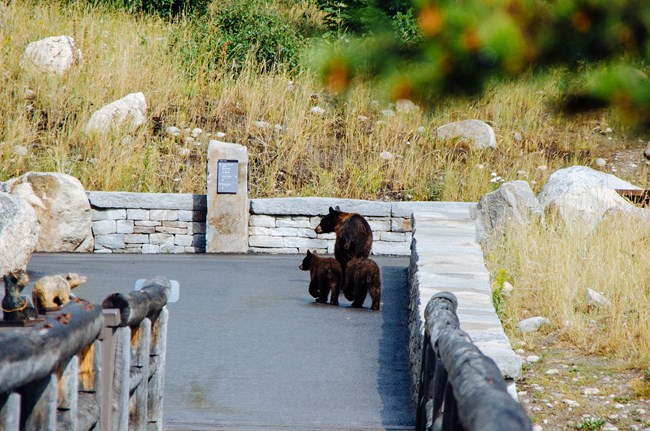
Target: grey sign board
(227, 176)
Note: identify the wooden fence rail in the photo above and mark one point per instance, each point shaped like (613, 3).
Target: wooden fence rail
(460, 388)
(88, 367)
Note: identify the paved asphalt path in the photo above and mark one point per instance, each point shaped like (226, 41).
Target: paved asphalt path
(249, 349)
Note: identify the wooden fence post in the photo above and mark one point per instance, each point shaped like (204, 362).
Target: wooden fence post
(157, 380)
(38, 406)
(68, 395)
(141, 346)
(10, 411)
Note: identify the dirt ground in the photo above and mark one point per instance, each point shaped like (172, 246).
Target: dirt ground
(563, 389)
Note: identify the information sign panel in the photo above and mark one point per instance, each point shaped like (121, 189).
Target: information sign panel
(227, 176)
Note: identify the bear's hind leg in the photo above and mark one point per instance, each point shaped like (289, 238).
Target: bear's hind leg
(313, 289)
(324, 292)
(360, 292)
(334, 298)
(375, 294)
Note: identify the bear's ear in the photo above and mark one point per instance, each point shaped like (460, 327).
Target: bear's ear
(308, 253)
(331, 210)
(337, 208)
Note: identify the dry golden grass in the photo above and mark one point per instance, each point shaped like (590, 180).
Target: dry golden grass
(334, 153)
(551, 269)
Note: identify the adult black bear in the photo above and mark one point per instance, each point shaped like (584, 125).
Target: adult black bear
(325, 274)
(353, 235)
(362, 277)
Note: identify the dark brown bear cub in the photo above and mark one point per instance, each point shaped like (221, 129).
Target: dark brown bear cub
(361, 277)
(353, 235)
(326, 277)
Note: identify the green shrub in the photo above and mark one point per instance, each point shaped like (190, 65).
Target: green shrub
(236, 33)
(162, 8)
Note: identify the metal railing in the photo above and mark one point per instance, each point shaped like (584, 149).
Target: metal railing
(460, 388)
(88, 367)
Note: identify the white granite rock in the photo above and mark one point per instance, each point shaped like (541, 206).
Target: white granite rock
(65, 216)
(475, 132)
(19, 231)
(127, 114)
(54, 54)
(532, 324)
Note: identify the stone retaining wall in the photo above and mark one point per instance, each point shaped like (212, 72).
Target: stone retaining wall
(446, 257)
(286, 225)
(176, 223)
(148, 222)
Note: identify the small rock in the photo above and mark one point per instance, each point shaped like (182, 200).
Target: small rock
(29, 94)
(532, 324)
(507, 288)
(262, 124)
(595, 299)
(608, 427)
(317, 110)
(517, 137)
(552, 371)
(646, 152)
(533, 358)
(196, 132)
(619, 406)
(405, 106)
(520, 351)
(362, 118)
(538, 428)
(600, 162)
(20, 151)
(173, 131)
(641, 411)
(291, 86)
(542, 168)
(385, 155)
(571, 403)
(188, 139)
(388, 113)
(421, 130)
(591, 391)
(220, 134)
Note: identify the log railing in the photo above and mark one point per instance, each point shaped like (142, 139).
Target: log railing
(88, 367)
(460, 388)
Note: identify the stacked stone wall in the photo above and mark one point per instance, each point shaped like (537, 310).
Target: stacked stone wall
(176, 223)
(148, 223)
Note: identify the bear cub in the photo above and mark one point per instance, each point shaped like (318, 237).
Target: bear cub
(326, 276)
(353, 235)
(362, 277)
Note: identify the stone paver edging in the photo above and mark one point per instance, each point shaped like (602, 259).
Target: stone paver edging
(446, 257)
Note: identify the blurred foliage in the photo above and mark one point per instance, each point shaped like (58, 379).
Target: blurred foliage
(456, 46)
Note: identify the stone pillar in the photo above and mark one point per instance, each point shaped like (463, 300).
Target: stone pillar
(227, 198)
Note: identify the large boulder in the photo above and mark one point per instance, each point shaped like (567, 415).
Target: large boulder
(514, 202)
(54, 54)
(476, 133)
(127, 113)
(580, 196)
(19, 231)
(62, 208)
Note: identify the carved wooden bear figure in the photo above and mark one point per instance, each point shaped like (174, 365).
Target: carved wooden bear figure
(53, 291)
(353, 235)
(362, 277)
(15, 306)
(325, 274)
